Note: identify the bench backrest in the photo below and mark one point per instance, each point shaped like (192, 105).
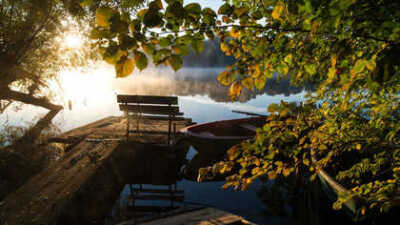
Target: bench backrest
(147, 104)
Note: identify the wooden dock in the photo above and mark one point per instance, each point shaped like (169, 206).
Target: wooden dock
(204, 216)
(82, 186)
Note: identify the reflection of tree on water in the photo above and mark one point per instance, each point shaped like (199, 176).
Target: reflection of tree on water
(191, 82)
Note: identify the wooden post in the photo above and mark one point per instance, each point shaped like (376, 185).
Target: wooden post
(169, 127)
(138, 120)
(127, 125)
(174, 132)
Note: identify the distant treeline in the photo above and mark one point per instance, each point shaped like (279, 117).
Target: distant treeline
(211, 56)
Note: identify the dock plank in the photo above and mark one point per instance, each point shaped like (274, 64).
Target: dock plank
(79, 186)
(210, 216)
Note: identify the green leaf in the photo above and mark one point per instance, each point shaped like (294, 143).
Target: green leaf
(175, 10)
(113, 54)
(209, 12)
(210, 35)
(260, 82)
(197, 45)
(124, 67)
(345, 4)
(181, 49)
(225, 9)
(164, 42)
(283, 69)
(152, 18)
(241, 11)
(273, 108)
(175, 61)
(193, 8)
(156, 4)
(173, 1)
(141, 60)
(310, 69)
(103, 15)
(308, 7)
(248, 83)
(209, 16)
(359, 66)
(288, 59)
(86, 3)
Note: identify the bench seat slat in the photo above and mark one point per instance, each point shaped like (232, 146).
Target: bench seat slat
(148, 99)
(151, 109)
(164, 118)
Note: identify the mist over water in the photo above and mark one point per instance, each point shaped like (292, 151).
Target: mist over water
(92, 95)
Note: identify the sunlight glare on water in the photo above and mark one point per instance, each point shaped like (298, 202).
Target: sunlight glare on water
(89, 87)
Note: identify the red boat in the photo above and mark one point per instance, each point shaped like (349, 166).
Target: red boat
(217, 137)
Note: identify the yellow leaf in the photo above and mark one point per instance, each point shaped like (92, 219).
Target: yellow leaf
(235, 33)
(286, 172)
(333, 61)
(125, 67)
(370, 64)
(225, 78)
(278, 163)
(224, 47)
(256, 72)
(271, 175)
(235, 90)
(177, 50)
(278, 9)
(141, 13)
(358, 146)
(248, 83)
(298, 75)
(289, 59)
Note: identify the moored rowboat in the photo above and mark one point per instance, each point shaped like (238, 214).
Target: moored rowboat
(217, 137)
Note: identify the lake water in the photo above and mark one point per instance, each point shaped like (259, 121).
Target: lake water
(93, 96)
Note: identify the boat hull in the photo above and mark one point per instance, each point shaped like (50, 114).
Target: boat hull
(217, 137)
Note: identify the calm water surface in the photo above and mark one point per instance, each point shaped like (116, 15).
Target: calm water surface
(93, 96)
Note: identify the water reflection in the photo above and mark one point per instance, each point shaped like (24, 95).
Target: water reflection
(197, 81)
(156, 186)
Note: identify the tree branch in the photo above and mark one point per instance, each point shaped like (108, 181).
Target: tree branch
(32, 134)
(28, 99)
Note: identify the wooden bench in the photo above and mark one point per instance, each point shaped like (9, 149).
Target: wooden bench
(150, 107)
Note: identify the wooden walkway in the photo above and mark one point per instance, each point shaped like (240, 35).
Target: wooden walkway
(82, 186)
(205, 216)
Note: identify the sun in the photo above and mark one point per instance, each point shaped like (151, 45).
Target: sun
(73, 41)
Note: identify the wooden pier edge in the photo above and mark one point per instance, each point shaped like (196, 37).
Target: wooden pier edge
(79, 186)
(204, 216)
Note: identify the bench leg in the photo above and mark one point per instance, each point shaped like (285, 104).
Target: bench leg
(137, 125)
(169, 130)
(127, 126)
